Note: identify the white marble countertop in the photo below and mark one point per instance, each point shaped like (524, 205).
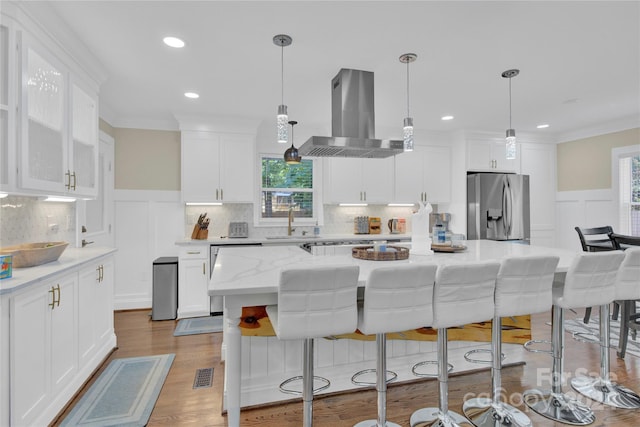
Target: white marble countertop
(70, 258)
(295, 239)
(252, 270)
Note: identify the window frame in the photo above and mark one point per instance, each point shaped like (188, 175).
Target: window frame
(618, 154)
(318, 216)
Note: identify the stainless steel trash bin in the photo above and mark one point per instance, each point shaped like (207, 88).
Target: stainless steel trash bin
(165, 288)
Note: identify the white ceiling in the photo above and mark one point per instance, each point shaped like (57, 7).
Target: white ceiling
(579, 61)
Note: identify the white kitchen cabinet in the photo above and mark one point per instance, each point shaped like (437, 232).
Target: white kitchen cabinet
(44, 344)
(356, 180)
(423, 175)
(7, 114)
(193, 281)
(489, 155)
(217, 167)
(539, 162)
(95, 308)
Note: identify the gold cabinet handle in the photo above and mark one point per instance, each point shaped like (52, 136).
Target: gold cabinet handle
(101, 273)
(221, 194)
(193, 252)
(216, 194)
(68, 177)
(204, 265)
(57, 302)
(73, 187)
(98, 270)
(52, 304)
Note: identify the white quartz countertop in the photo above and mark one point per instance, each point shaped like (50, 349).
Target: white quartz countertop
(70, 258)
(256, 269)
(296, 239)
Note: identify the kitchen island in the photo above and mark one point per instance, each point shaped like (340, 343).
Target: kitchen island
(254, 366)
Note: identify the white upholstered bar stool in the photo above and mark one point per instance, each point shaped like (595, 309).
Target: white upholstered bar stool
(523, 287)
(314, 302)
(396, 299)
(588, 282)
(463, 293)
(602, 389)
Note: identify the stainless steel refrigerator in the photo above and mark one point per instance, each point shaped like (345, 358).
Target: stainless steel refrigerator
(498, 207)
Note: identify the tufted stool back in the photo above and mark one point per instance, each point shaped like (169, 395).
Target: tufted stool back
(463, 293)
(628, 278)
(590, 280)
(524, 285)
(397, 298)
(316, 302)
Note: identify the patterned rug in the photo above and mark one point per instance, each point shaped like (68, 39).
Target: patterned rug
(577, 325)
(124, 394)
(198, 325)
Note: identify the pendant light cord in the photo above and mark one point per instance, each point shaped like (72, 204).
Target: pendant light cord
(510, 103)
(282, 72)
(408, 115)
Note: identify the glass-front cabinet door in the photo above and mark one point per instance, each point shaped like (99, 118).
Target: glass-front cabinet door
(84, 125)
(44, 128)
(7, 113)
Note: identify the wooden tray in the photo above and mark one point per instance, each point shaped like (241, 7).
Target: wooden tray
(447, 248)
(367, 253)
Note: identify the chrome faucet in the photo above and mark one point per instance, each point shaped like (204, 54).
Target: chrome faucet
(289, 229)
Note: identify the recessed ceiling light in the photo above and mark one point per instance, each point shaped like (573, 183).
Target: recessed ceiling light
(191, 95)
(543, 126)
(447, 118)
(173, 42)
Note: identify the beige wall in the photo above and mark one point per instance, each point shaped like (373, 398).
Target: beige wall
(585, 164)
(147, 159)
(106, 128)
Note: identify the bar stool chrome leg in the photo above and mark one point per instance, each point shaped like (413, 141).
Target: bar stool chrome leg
(483, 412)
(442, 416)
(381, 386)
(602, 389)
(554, 404)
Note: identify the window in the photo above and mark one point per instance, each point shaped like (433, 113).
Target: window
(627, 168)
(286, 186)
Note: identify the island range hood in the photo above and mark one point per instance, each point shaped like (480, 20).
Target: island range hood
(352, 122)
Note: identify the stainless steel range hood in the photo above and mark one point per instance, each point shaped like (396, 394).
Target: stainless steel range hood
(352, 121)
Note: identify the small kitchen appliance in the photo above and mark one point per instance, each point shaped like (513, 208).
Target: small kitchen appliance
(238, 230)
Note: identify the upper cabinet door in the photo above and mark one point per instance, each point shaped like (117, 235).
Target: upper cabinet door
(44, 125)
(236, 170)
(377, 180)
(7, 114)
(200, 167)
(437, 174)
(84, 126)
(409, 181)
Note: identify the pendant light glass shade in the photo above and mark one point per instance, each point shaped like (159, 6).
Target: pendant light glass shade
(407, 129)
(291, 156)
(510, 141)
(407, 134)
(283, 128)
(282, 118)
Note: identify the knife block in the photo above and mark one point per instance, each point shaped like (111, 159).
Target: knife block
(199, 233)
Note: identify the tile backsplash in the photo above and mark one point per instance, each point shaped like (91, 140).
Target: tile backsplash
(337, 219)
(28, 219)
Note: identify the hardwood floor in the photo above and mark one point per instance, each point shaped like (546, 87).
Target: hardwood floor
(180, 405)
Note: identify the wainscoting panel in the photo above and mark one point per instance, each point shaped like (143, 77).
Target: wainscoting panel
(589, 208)
(148, 223)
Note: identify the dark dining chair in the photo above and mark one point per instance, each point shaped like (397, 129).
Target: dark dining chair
(629, 318)
(599, 241)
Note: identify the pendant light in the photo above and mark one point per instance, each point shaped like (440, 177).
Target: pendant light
(407, 129)
(510, 147)
(282, 40)
(291, 156)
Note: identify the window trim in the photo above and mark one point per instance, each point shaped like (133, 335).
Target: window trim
(617, 154)
(318, 214)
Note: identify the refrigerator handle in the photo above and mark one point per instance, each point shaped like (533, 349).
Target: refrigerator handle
(505, 206)
(510, 203)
